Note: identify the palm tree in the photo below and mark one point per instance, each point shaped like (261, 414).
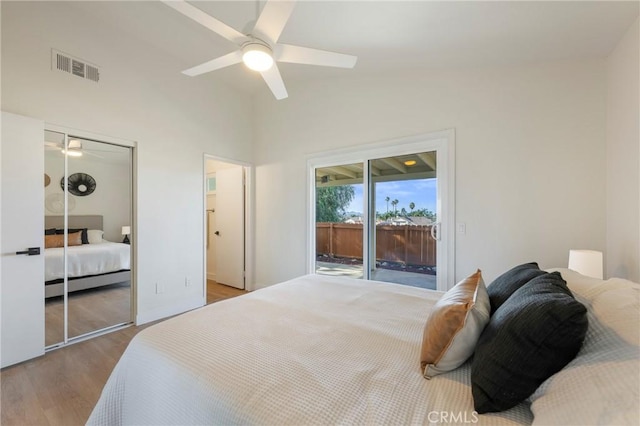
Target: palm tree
(412, 205)
(394, 203)
(387, 200)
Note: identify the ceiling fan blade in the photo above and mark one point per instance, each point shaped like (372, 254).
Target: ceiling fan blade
(206, 20)
(215, 64)
(305, 55)
(93, 154)
(274, 80)
(273, 18)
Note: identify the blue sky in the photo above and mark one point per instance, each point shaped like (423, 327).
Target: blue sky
(420, 191)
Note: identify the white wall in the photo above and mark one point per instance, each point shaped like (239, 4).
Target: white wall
(141, 97)
(623, 159)
(111, 199)
(530, 166)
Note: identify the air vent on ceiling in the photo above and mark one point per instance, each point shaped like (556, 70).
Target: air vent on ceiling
(66, 63)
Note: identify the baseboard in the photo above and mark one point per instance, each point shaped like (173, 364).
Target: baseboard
(257, 286)
(211, 276)
(168, 311)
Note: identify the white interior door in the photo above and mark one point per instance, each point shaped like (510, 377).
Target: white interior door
(229, 232)
(22, 285)
(211, 238)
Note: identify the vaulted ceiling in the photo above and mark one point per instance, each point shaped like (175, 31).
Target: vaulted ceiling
(385, 35)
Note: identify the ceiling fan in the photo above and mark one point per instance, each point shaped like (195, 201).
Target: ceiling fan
(74, 148)
(260, 49)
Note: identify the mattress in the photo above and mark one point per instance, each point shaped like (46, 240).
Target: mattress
(87, 259)
(314, 350)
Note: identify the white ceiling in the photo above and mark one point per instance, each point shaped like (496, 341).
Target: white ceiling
(385, 35)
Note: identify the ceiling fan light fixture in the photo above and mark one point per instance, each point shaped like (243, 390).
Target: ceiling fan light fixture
(410, 163)
(257, 56)
(74, 144)
(74, 148)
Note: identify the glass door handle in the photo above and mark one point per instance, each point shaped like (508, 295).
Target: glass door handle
(435, 231)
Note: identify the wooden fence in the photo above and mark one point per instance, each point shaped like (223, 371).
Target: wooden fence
(411, 245)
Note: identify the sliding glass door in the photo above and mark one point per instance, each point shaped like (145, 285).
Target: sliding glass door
(339, 219)
(403, 193)
(386, 212)
(88, 217)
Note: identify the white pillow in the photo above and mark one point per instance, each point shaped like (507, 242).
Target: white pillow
(602, 384)
(454, 326)
(95, 236)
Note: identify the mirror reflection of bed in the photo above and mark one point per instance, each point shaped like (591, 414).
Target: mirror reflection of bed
(99, 279)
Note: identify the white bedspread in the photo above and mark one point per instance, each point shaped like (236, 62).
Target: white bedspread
(314, 350)
(87, 259)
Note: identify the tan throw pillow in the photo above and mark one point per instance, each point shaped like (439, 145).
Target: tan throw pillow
(57, 240)
(53, 241)
(454, 326)
(75, 239)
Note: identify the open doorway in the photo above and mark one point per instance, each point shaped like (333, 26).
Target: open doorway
(226, 212)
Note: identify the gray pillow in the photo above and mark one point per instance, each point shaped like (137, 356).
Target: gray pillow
(532, 336)
(503, 287)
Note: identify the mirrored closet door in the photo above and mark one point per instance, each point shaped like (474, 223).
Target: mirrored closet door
(88, 217)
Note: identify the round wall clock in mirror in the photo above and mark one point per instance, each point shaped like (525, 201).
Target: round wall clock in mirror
(80, 184)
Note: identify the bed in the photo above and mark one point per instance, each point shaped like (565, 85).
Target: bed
(88, 265)
(334, 350)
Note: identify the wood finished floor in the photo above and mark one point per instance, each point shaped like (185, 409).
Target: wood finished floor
(62, 387)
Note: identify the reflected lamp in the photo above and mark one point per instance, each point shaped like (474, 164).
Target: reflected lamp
(126, 230)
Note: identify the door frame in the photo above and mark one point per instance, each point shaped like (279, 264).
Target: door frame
(249, 222)
(442, 141)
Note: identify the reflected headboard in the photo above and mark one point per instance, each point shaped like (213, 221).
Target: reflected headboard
(80, 221)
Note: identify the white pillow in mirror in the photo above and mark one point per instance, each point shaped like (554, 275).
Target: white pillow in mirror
(94, 236)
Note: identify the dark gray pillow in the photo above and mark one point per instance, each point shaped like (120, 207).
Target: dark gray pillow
(532, 336)
(503, 287)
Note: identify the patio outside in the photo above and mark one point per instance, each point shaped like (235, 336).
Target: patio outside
(388, 275)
